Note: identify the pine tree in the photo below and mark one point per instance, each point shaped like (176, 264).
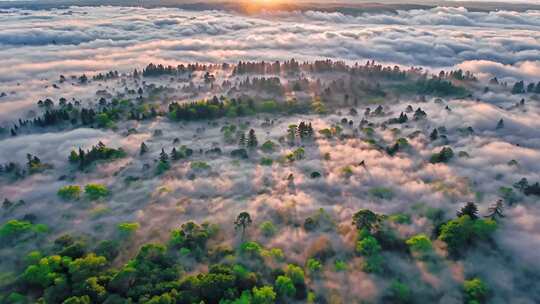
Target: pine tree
(310, 131)
(434, 135)
(174, 154)
(469, 209)
(144, 148)
(496, 210)
(82, 159)
(500, 124)
(242, 141)
(163, 156)
(252, 139)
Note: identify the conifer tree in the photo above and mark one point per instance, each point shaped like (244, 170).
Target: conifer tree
(252, 139)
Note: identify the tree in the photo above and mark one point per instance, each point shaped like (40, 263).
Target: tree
(462, 232)
(242, 140)
(285, 286)
(522, 184)
(496, 210)
(242, 222)
(70, 192)
(144, 148)
(366, 219)
(264, 295)
(434, 135)
(469, 209)
(96, 191)
(475, 291)
(500, 124)
(163, 156)
(252, 139)
(518, 88)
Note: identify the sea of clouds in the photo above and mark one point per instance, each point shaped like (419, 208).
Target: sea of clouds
(38, 45)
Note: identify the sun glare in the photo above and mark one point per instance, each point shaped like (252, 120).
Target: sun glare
(260, 5)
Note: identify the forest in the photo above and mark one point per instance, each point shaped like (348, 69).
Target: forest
(270, 182)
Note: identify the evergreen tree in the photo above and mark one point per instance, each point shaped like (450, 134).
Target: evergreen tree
(310, 131)
(174, 154)
(163, 156)
(496, 210)
(469, 209)
(500, 124)
(434, 135)
(252, 139)
(242, 141)
(518, 88)
(144, 148)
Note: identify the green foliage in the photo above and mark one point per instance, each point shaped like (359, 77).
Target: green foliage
(445, 155)
(420, 243)
(251, 249)
(399, 293)
(200, 165)
(269, 106)
(45, 271)
(266, 161)
(340, 265)
(267, 228)
(314, 265)
(366, 219)
(400, 218)
(368, 246)
(70, 192)
(462, 232)
(268, 146)
(127, 229)
(14, 230)
(382, 193)
(475, 291)
(96, 191)
(78, 300)
(274, 253)
(191, 236)
(162, 167)
(295, 273)
(285, 286)
(96, 153)
(264, 295)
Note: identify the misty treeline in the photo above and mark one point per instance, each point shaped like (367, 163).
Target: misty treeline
(365, 82)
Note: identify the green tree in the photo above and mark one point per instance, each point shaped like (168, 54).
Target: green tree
(399, 293)
(368, 246)
(285, 287)
(96, 191)
(475, 291)
(366, 219)
(70, 192)
(264, 295)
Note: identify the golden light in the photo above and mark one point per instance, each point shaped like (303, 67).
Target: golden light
(254, 6)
